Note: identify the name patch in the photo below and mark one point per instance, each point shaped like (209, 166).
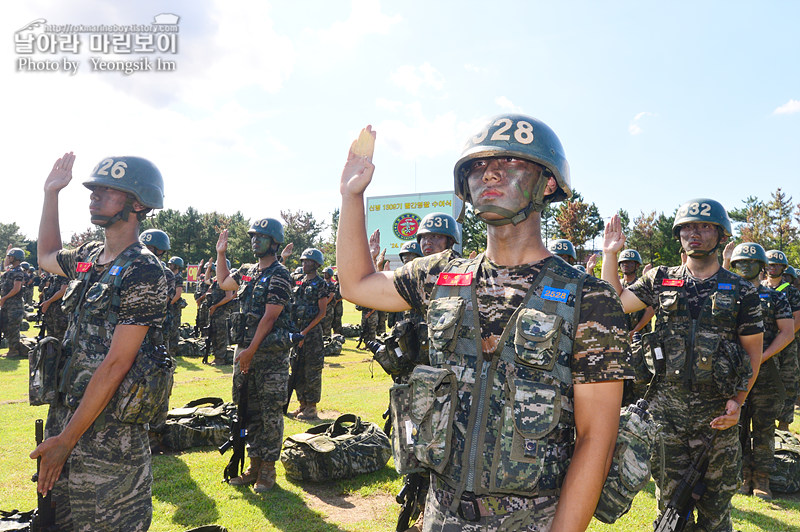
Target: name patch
(246, 278)
(115, 270)
(83, 267)
(763, 296)
(672, 282)
(454, 279)
(724, 286)
(555, 294)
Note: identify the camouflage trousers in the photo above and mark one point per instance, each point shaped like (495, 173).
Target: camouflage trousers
(13, 315)
(107, 480)
(219, 334)
(787, 362)
(338, 311)
(327, 322)
(369, 324)
(55, 321)
(201, 320)
(173, 334)
(684, 416)
(266, 394)
(497, 513)
(762, 407)
(380, 328)
(308, 383)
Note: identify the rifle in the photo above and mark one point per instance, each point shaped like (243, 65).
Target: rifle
(296, 360)
(208, 330)
(690, 489)
(44, 518)
(411, 499)
(38, 307)
(238, 436)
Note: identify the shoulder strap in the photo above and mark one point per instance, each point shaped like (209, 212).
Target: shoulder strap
(782, 287)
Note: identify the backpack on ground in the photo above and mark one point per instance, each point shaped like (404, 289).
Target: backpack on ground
(344, 448)
(201, 423)
(785, 477)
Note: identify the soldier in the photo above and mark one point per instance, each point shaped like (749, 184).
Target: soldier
(638, 324)
(27, 285)
(177, 303)
(200, 291)
(12, 306)
(705, 316)
(309, 302)
(220, 305)
(157, 241)
(338, 307)
(563, 248)
(53, 316)
(327, 321)
(437, 232)
(409, 251)
(96, 458)
(508, 463)
(748, 259)
(787, 360)
(264, 293)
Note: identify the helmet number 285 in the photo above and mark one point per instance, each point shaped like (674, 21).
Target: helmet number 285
(117, 168)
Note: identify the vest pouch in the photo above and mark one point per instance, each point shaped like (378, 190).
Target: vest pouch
(72, 296)
(532, 410)
(722, 304)
(731, 368)
(444, 316)
(675, 356)
(706, 344)
(237, 327)
(43, 361)
(653, 353)
(98, 299)
(403, 430)
(668, 302)
(432, 404)
(143, 395)
(278, 340)
(536, 338)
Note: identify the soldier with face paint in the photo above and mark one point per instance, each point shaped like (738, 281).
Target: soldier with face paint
(96, 458)
(512, 460)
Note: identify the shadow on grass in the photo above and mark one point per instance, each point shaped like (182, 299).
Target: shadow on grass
(763, 522)
(11, 364)
(172, 482)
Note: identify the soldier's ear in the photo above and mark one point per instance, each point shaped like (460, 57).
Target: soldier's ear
(551, 187)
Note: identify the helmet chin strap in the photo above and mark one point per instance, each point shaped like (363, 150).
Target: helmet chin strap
(107, 221)
(537, 204)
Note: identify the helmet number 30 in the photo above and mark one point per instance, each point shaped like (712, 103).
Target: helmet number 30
(522, 131)
(116, 169)
(703, 209)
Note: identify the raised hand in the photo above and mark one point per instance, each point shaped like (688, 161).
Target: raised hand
(286, 252)
(375, 243)
(358, 169)
(613, 237)
(61, 174)
(222, 242)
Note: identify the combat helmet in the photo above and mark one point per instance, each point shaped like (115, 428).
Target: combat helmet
(776, 256)
(269, 227)
(25, 265)
(749, 250)
(136, 176)
(313, 254)
(439, 223)
(564, 247)
(177, 261)
(790, 271)
(227, 263)
(156, 238)
(410, 248)
(702, 210)
(17, 253)
(519, 136)
(630, 254)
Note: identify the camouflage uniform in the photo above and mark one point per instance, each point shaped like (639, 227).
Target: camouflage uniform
(170, 294)
(202, 308)
(762, 403)
(55, 320)
(787, 361)
(269, 372)
(695, 388)
(27, 289)
(305, 306)
(106, 481)
(512, 491)
(13, 311)
(369, 323)
(338, 310)
(636, 388)
(175, 311)
(218, 322)
(327, 321)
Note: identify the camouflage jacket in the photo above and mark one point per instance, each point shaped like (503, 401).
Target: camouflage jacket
(305, 299)
(774, 307)
(11, 276)
(259, 288)
(513, 425)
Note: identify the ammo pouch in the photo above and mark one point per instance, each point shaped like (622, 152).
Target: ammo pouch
(43, 361)
(422, 419)
(342, 449)
(630, 467)
(72, 297)
(277, 341)
(143, 395)
(731, 368)
(236, 326)
(653, 353)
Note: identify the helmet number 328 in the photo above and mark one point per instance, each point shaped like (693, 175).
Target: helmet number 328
(523, 131)
(116, 169)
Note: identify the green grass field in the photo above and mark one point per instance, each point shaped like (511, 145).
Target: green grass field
(187, 486)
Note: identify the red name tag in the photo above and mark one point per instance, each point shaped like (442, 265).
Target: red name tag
(454, 279)
(672, 282)
(298, 283)
(246, 278)
(83, 267)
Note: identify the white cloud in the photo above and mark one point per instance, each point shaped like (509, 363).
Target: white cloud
(634, 128)
(505, 103)
(414, 79)
(390, 105)
(790, 107)
(469, 67)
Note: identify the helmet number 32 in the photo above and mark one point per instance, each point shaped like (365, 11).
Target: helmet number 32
(703, 209)
(109, 166)
(522, 131)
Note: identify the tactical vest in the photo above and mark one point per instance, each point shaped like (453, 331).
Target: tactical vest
(513, 429)
(305, 304)
(97, 305)
(691, 347)
(768, 314)
(252, 295)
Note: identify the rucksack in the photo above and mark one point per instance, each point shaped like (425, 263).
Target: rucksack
(333, 345)
(342, 449)
(202, 422)
(785, 477)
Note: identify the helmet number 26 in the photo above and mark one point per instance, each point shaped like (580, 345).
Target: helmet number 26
(117, 169)
(523, 131)
(703, 209)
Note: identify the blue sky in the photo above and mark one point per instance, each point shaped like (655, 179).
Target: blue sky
(654, 102)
